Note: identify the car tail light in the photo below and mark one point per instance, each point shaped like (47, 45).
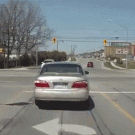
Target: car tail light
(41, 83)
(80, 84)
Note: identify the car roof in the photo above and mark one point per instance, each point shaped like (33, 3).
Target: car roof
(65, 62)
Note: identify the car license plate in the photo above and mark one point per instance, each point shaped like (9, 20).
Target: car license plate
(60, 85)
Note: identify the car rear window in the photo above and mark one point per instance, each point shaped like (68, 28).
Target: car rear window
(62, 68)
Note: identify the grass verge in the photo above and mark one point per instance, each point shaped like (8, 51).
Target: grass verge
(130, 65)
(108, 65)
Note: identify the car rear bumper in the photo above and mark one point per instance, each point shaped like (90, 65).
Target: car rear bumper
(61, 95)
(90, 66)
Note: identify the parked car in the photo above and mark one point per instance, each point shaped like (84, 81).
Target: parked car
(90, 64)
(46, 61)
(61, 81)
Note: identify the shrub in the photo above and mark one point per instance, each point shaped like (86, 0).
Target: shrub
(12, 63)
(57, 56)
(73, 59)
(25, 60)
(119, 61)
(111, 57)
(1, 62)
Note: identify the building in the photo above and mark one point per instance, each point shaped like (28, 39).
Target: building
(119, 49)
(133, 49)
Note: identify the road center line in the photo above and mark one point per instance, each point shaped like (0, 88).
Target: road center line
(129, 116)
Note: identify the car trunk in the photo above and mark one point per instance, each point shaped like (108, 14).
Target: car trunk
(61, 80)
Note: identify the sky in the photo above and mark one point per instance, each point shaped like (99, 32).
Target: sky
(86, 23)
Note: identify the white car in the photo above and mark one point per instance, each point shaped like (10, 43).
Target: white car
(124, 59)
(61, 81)
(46, 61)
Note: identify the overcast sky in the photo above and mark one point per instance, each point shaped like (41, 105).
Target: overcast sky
(84, 23)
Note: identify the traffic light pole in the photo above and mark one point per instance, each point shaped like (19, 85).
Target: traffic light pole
(4, 58)
(57, 45)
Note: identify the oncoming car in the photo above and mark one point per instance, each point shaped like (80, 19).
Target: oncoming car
(46, 61)
(90, 64)
(61, 81)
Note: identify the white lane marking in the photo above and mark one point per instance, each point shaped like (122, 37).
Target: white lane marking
(130, 92)
(53, 127)
(29, 91)
(5, 81)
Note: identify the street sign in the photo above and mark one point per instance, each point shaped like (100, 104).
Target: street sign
(54, 40)
(125, 51)
(105, 41)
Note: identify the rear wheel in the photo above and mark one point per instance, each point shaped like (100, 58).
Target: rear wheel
(86, 103)
(41, 104)
(37, 102)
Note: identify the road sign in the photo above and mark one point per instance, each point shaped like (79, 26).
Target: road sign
(54, 40)
(118, 51)
(105, 41)
(125, 51)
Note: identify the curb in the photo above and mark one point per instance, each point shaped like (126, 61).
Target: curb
(15, 69)
(22, 68)
(104, 67)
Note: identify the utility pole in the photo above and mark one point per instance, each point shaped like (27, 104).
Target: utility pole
(74, 50)
(57, 45)
(36, 54)
(71, 50)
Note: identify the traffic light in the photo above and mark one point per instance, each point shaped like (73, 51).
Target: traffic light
(1, 50)
(105, 41)
(54, 40)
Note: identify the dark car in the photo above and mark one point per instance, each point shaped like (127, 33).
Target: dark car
(90, 64)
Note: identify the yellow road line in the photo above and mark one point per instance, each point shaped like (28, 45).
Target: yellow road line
(119, 108)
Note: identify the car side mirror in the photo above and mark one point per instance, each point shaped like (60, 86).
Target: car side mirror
(86, 72)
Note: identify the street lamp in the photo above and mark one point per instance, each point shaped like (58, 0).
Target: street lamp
(127, 37)
(57, 43)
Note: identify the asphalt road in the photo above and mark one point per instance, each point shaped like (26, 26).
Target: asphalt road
(111, 110)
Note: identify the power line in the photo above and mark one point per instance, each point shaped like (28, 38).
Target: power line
(79, 41)
(92, 29)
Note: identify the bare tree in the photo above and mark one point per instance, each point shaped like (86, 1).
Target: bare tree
(23, 26)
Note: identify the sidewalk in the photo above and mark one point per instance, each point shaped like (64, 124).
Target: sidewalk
(112, 63)
(115, 66)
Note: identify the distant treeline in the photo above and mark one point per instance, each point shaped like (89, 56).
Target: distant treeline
(30, 59)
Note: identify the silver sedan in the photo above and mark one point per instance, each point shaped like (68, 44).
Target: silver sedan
(61, 81)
